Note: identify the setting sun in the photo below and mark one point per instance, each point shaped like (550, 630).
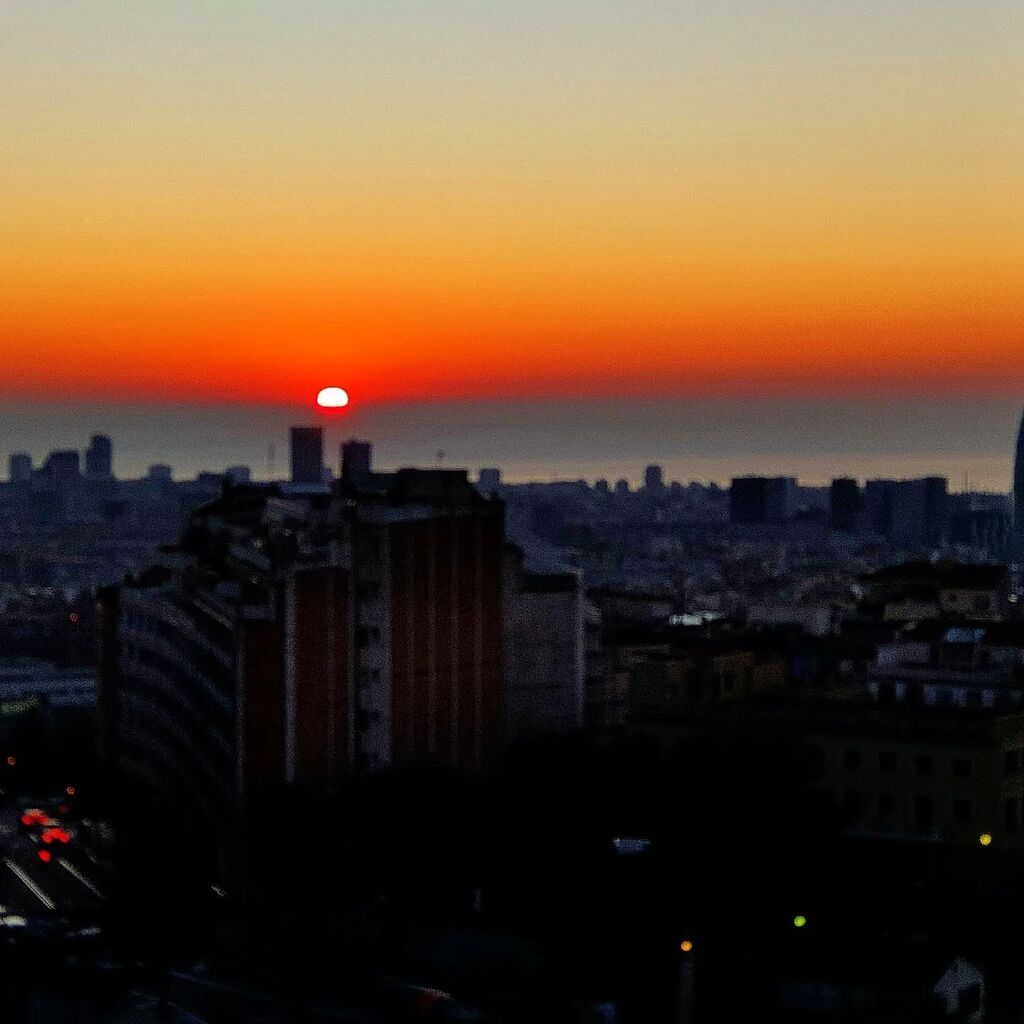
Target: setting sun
(332, 398)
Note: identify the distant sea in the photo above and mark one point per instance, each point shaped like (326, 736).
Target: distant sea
(966, 440)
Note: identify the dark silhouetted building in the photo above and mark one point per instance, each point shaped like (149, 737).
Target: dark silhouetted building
(20, 468)
(654, 481)
(356, 458)
(878, 503)
(908, 513)
(61, 468)
(982, 522)
(761, 499)
(99, 458)
(543, 689)
(160, 471)
(845, 505)
(296, 638)
(307, 451)
(490, 480)
(238, 474)
(1018, 494)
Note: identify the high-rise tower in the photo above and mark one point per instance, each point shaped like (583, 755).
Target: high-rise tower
(307, 455)
(99, 458)
(1018, 495)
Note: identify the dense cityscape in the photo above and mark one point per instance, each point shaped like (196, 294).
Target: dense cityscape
(411, 744)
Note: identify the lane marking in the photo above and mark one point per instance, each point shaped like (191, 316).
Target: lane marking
(30, 885)
(72, 870)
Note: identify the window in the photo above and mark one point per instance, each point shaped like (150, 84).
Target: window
(887, 761)
(923, 764)
(963, 768)
(924, 812)
(1011, 818)
(851, 760)
(886, 807)
(1011, 762)
(963, 811)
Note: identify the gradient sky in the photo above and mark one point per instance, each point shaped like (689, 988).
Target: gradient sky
(423, 199)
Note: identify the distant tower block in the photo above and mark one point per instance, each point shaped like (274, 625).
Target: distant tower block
(20, 468)
(99, 458)
(490, 481)
(654, 480)
(307, 455)
(356, 458)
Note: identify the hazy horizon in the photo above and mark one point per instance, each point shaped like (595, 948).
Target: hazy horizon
(705, 440)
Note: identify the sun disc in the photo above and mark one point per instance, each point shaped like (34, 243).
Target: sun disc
(332, 398)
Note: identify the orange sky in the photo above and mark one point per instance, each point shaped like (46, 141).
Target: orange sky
(443, 200)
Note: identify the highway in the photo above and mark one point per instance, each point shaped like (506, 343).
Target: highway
(68, 888)
(44, 904)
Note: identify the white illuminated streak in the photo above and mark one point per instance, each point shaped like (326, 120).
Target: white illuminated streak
(72, 870)
(30, 885)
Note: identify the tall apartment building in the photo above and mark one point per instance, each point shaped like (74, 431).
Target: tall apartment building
(908, 513)
(1018, 493)
(99, 458)
(299, 638)
(761, 499)
(307, 455)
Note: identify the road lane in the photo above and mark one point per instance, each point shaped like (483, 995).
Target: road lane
(29, 884)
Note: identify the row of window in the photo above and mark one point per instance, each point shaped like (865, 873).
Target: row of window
(961, 809)
(924, 764)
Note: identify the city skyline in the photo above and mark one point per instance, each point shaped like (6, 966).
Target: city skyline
(701, 441)
(444, 201)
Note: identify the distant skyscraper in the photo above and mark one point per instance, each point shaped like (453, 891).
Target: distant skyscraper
(878, 505)
(1018, 494)
(99, 458)
(761, 499)
(653, 479)
(159, 471)
(238, 474)
(307, 455)
(490, 480)
(844, 505)
(908, 513)
(356, 458)
(601, 486)
(622, 487)
(20, 468)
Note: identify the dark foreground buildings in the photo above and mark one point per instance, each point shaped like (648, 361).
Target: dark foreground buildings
(1018, 493)
(297, 639)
